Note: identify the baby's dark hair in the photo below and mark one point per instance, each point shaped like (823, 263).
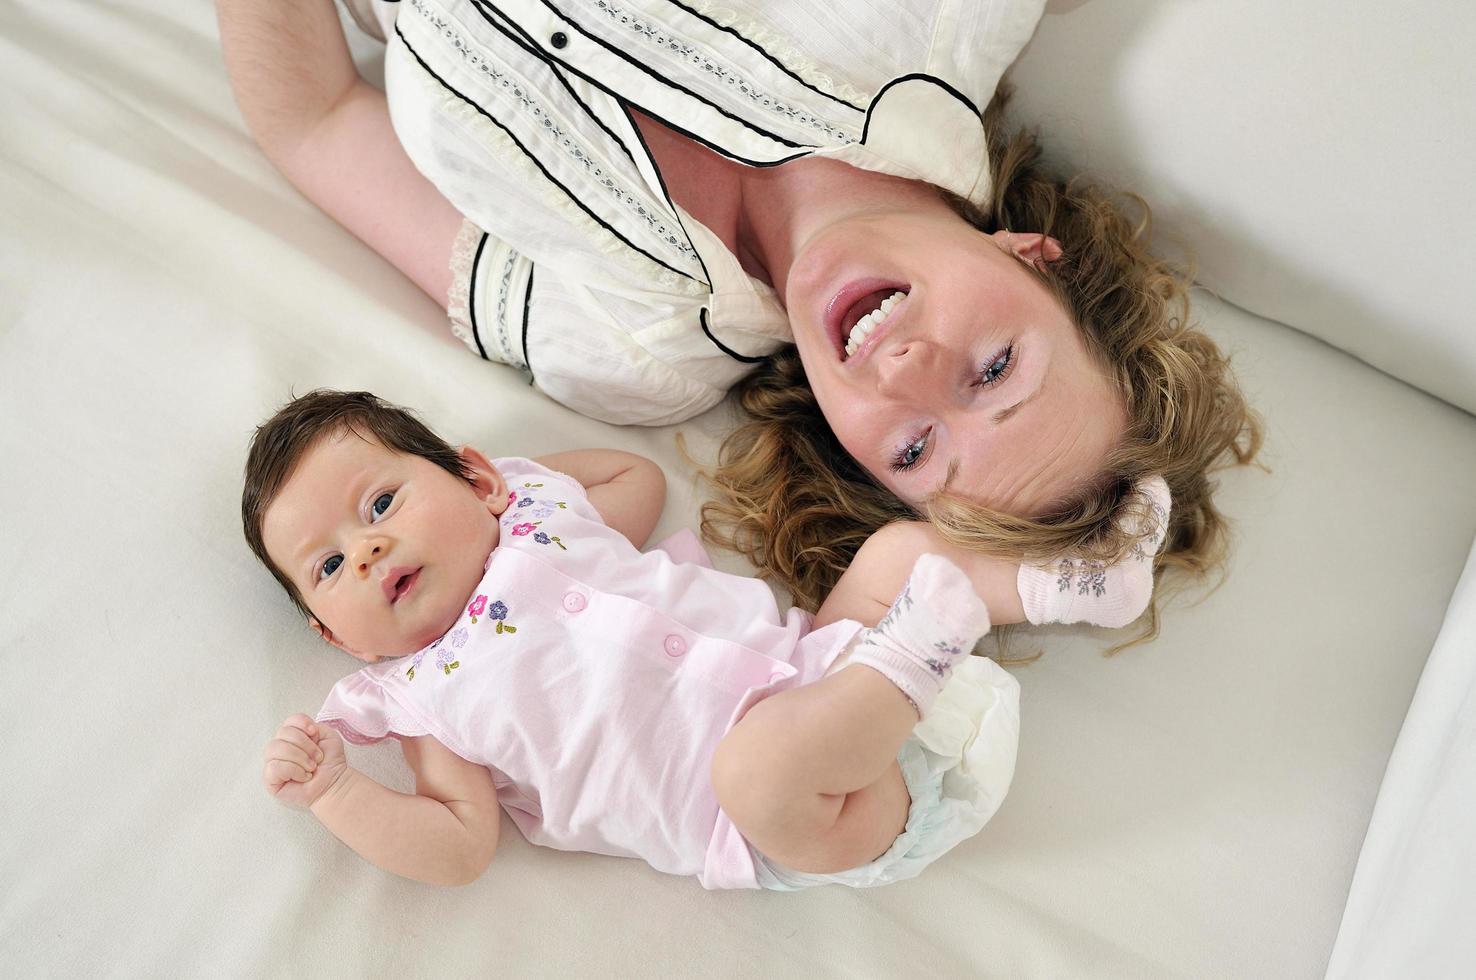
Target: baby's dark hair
(282, 440)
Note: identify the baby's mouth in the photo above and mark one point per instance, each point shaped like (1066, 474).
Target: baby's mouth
(399, 583)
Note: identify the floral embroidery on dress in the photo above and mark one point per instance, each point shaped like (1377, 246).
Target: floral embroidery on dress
(543, 538)
(446, 658)
(415, 661)
(529, 513)
(499, 613)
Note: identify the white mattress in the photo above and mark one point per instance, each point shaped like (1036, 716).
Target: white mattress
(1191, 808)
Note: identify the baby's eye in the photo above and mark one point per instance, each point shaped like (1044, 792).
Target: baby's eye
(330, 566)
(381, 504)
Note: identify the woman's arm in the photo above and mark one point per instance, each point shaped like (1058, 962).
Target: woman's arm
(328, 131)
(628, 490)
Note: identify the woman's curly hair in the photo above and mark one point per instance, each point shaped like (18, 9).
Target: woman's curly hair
(791, 499)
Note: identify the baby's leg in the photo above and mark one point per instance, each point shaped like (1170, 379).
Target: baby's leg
(810, 776)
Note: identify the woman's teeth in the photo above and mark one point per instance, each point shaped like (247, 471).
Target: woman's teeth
(871, 321)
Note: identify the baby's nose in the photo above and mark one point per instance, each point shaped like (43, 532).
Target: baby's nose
(367, 553)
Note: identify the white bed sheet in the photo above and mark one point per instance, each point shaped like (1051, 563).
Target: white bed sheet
(1192, 808)
(1413, 898)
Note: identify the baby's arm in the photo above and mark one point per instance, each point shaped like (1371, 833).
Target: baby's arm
(628, 490)
(875, 576)
(1067, 590)
(445, 834)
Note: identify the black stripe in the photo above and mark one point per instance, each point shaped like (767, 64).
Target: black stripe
(559, 67)
(777, 63)
(667, 194)
(471, 297)
(669, 83)
(906, 78)
(724, 347)
(527, 305)
(720, 150)
(527, 44)
(531, 156)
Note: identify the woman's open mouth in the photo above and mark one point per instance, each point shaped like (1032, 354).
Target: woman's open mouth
(859, 310)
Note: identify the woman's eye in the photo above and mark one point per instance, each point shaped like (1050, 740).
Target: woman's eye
(381, 504)
(908, 457)
(330, 566)
(994, 372)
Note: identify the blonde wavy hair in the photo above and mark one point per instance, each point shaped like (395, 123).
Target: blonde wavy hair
(791, 499)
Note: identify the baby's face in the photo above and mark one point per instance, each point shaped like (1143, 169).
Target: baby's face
(385, 548)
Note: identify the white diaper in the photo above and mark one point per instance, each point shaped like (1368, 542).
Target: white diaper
(957, 764)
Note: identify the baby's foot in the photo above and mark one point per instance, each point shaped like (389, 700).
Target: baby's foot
(933, 623)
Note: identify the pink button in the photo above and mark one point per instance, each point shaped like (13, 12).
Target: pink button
(575, 601)
(675, 646)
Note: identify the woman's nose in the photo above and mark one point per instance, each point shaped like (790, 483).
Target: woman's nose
(367, 553)
(910, 370)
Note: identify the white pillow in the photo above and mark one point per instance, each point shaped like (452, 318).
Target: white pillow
(1317, 157)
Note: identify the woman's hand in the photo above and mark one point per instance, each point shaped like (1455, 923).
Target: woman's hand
(303, 761)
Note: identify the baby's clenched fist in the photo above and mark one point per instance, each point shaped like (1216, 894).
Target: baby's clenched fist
(303, 761)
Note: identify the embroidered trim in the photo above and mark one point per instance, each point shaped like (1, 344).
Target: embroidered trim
(779, 49)
(703, 62)
(458, 295)
(491, 137)
(575, 150)
(504, 285)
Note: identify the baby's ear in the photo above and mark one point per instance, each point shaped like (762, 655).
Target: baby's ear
(485, 480)
(327, 634)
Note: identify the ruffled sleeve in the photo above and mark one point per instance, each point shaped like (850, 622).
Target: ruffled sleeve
(360, 710)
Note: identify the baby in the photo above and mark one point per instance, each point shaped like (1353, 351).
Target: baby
(528, 656)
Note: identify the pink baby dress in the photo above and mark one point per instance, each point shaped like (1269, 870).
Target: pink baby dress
(595, 682)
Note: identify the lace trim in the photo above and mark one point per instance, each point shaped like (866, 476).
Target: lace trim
(634, 204)
(702, 61)
(779, 46)
(504, 289)
(458, 295)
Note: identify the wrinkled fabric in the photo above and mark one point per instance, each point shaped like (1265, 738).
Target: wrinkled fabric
(576, 267)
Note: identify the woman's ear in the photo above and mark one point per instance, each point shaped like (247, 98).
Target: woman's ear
(1031, 248)
(327, 634)
(486, 481)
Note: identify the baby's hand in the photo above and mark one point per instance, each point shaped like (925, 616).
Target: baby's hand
(303, 761)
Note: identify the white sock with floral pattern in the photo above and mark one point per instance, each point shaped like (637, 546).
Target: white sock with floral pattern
(934, 622)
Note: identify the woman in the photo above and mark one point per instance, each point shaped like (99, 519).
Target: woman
(639, 203)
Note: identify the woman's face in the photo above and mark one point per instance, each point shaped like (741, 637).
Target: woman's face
(978, 371)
